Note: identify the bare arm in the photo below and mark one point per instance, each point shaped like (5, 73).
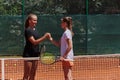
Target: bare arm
(35, 42)
(69, 42)
(56, 43)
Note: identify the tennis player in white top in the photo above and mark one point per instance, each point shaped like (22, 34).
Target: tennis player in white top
(66, 47)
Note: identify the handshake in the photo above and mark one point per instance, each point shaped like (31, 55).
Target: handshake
(48, 36)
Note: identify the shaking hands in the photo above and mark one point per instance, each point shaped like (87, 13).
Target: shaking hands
(48, 36)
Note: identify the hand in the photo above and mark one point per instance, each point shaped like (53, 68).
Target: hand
(47, 35)
(62, 58)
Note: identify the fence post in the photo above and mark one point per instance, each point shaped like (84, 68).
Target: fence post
(2, 69)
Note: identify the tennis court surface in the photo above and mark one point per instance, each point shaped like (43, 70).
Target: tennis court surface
(91, 67)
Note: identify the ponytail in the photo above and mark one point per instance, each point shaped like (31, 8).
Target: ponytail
(27, 23)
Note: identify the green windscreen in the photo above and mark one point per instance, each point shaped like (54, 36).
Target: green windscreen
(103, 34)
(95, 34)
(11, 38)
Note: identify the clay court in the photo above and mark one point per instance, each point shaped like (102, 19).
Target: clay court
(85, 68)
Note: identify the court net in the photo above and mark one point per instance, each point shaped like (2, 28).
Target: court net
(90, 67)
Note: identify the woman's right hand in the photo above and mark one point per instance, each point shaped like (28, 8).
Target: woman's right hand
(48, 36)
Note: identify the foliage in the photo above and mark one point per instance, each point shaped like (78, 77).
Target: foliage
(10, 7)
(46, 7)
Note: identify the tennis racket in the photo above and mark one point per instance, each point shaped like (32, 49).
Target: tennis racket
(47, 57)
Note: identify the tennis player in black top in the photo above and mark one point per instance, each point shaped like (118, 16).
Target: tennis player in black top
(31, 48)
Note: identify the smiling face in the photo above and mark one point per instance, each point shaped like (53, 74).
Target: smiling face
(33, 21)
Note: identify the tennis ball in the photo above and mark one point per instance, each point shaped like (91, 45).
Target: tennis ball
(10, 78)
(53, 68)
(14, 64)
(6, 65)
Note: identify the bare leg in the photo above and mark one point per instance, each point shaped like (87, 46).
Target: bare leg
(27, 68)
(33, 70)
(67, 72)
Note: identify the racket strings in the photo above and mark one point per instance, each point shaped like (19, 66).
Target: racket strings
(46, 57)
